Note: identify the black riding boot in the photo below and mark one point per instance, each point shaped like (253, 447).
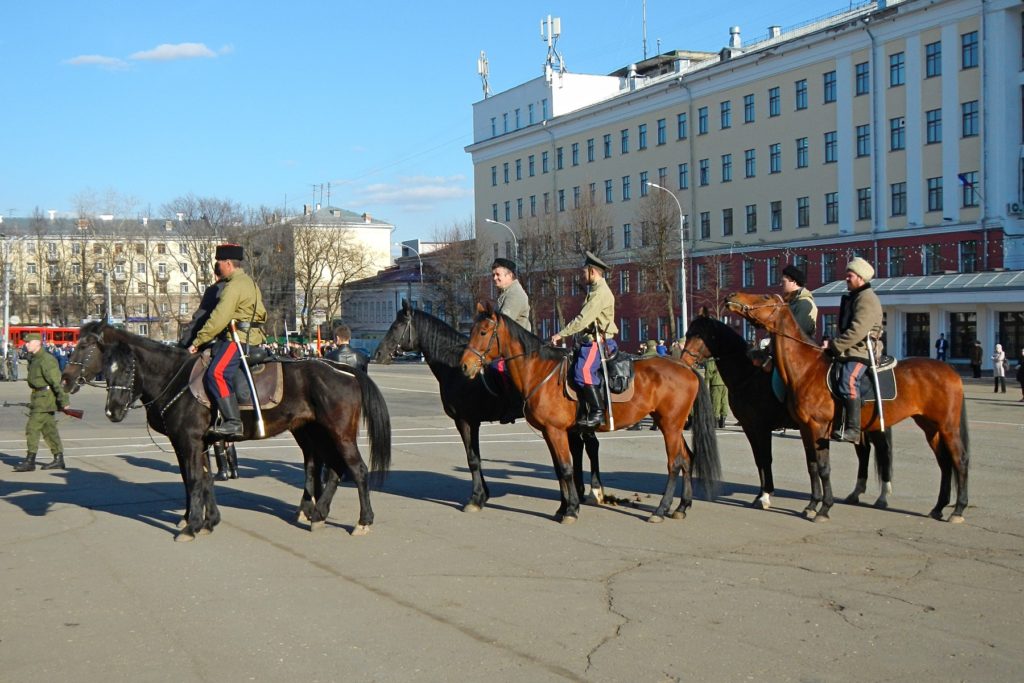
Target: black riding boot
(594, 415)
(222, 466)
(26, 465)
(228, 426)
(851, 429)
(56, 464)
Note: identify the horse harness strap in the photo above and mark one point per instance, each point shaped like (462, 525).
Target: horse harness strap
(529, 394)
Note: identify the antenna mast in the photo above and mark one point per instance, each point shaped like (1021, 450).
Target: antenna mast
(645, 28)
(484, 70)
(550, 30)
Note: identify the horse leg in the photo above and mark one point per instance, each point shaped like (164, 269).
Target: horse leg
(198, 480)
(945, 468)
(360, 477)
(558, 444)
(332, 475)
(470, 433)
(576, 451)
(825, 475)
(761, 446)
(956, 451)
(811, 456)
(863, 450)
(312, 464)
(882, 443)
(683, 464)
(593, 447)
(674, 455)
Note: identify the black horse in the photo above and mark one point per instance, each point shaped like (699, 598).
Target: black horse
(322, 406)
(470, 402)
(759, 412)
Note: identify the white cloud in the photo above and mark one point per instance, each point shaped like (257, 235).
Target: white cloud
(417, 193)
(97, 60)
(167, 52)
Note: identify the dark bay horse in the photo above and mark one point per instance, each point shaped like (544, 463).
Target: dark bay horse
(663, 388)
(759, 412)
(929, 391)
(468, 402)
(322, 407)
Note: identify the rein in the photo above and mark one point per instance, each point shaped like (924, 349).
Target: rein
(777, 305)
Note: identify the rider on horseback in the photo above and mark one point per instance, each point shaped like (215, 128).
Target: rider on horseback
(860, 316)
(240, 300)
(514, 303)
(598, 311)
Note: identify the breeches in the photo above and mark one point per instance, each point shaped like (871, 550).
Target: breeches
(220, 376)
(588, 363)
(849, 379)
(45, 425)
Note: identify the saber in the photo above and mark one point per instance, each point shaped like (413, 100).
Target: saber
(599, 340)
(260, 430)
(878, 386)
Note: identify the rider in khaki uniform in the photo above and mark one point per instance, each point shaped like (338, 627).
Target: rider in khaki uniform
(47, 398)
(240, 300)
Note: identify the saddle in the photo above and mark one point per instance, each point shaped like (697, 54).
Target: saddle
(619, 378)
(886, 380)
(268, 376)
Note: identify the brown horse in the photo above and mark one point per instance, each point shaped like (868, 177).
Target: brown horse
(663, 388)
(929, 391)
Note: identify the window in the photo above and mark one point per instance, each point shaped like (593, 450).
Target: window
(494, 176)
(773, 271)
(969, 118)
(684, 176)
(608, 191)
(705, 172)
(898, 199)
(897, 70)
(624, 141)
(862, 78)
(969, 50)
(141, 288)
(864, 204)
(701, 276)
(624, 280)
(894, 261)
(803, 212)
(140, 268)
(504, 122)
(968, 256)
(641, 136)
(726, 168)
(748, 109)
(774, 102)
(829, 262)
(644, 187)
(663, 176)
(544, 109)
(776, 216)
(726, 222)
(897, 134)
(705, 225)
(505, 172)
(969, 185)
(662, 131)
(547, 202)
(626, 193)
(519, 169)
(184, 267)
(681, 126)
(831, 207)
(829, 84)
(723, 274)
(751, 215)
(494, 127)
(30, 268)
(607, 140)
(775, 158)
(544, 164)
(519, 207)
(801, 94)
(933, 123)
(931, 259)
(508, 210)
(518, 120)
(627, 242)
(748, 273)
(749, 163)
(494, 212)
(801, 152)
(935, 194)
(610, 238)
(590, 150)
(702, 121)
(933, 60)
(531, 165)
(725, 112)
(533, 206)
(575, 151)
(864, 140)
(831, 147)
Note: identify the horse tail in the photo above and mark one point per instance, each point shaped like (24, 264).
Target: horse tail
(706, 464)
(378, 425)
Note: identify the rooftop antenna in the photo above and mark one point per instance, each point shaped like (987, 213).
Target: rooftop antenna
(645, 27)
(484, 70)
(550, 30)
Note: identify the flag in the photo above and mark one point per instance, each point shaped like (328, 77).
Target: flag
(964, 180)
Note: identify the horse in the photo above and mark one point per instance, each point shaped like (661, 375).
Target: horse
(321, 406)
(759, 412)
(663, 388)
(929, 391)
(470, 402)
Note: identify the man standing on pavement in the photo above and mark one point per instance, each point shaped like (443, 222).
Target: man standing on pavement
(47, 398)
(343, 351)
(940, 347)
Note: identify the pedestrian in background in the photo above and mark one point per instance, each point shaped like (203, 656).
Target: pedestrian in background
(47, 398)
(975, 355)
(999, 368)
(719, 393)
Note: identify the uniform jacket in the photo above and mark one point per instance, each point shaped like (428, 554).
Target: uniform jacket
(801, 303)
(240, 300)
(514, 303)
(860, 314)
(44, 381)
(711, 374)
(349, 356)
(599, 307)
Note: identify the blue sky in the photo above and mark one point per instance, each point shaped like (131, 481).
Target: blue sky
(258, 101)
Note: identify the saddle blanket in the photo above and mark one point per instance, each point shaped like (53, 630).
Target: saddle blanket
(268, 378)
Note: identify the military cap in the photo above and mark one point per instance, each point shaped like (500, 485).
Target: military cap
(594, 261)
(229, 252)
(504, 263)
(33, 336)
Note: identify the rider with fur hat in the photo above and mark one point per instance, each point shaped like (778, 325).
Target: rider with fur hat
(800, 300)
(860, 315)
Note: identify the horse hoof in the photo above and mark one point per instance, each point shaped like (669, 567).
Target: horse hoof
(184, 537)
(313, 526)
(655, 519)
(597, 496)
(956, 519)
(205, 532)
(182, 523)
(471, 507)
(821, 518)
(810, 513)
(678, 514)
(881, 504)
(761, 503)
(568, 519)
(361, 529)
(936, 514)
(852, 499)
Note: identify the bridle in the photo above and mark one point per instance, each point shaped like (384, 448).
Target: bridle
(80, 380)
(132, 397)
(775, 305)
(482, 357)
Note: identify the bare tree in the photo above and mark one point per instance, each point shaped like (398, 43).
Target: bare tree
(659, 247)
(451, 273)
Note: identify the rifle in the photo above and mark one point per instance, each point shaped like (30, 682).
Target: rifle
(70, 412)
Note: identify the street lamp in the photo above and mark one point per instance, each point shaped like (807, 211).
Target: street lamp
(413, 250)
(515, 242)
(682, 259)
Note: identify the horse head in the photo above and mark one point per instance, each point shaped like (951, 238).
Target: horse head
(401, 336)
(86, 362)
(484, 343)
(123, 389)
(761, 309)
(699, 340)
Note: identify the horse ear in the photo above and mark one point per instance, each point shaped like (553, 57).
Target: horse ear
(480, 308)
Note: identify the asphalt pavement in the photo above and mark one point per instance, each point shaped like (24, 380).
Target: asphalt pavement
(96, 589)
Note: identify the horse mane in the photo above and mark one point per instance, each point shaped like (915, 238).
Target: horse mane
(443, 341)
(532, 344)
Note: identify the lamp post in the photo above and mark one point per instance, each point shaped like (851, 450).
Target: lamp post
(682, 259)
(515, 242)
